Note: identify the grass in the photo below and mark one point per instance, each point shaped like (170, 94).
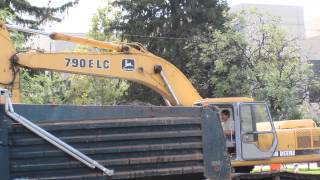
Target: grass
(301, 170)
(309, 171)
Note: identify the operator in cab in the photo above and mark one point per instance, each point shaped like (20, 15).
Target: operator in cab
(228, 130)
(227, 123)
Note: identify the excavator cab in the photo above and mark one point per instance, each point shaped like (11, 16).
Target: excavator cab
(254, 132)
(255, 142)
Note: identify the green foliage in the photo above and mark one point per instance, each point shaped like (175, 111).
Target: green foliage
(101, 28)
(17, 38)
(34, 88)
(165, 27)
(5, 15)
(58, 88)
(33, 16)
(97, 90)
(254, 58)
(94, 90)
(247, 54)
(42, 89)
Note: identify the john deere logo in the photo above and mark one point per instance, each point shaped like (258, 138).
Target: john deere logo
(128, 64)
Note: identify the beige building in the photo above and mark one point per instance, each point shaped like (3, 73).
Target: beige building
(46, 44)
(292, 17)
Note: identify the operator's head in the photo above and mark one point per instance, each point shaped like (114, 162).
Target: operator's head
(225, 115)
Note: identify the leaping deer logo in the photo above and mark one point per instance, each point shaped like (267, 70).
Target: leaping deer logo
(128, 64)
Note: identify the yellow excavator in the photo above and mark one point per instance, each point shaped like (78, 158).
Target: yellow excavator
(257, 140)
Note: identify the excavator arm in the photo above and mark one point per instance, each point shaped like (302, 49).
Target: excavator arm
(124, 62)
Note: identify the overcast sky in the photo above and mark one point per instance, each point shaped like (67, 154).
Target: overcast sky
(78, 18)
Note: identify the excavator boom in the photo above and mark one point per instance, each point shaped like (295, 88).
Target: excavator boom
(127, 62)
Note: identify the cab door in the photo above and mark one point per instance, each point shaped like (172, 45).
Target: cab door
(257, 133)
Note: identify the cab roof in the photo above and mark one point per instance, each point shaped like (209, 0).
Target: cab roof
(225, 100)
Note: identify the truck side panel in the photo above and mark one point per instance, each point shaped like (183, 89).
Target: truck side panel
(4, 148)
(216, 157)
(135, 141)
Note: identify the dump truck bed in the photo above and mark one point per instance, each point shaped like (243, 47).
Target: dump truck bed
(135, 141)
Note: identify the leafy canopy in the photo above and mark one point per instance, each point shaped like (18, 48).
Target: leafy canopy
(27, 14)
(165, 27)
(61, 88)
(255, 57)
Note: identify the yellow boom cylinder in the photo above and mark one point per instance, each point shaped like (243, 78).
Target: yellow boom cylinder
(89, 42)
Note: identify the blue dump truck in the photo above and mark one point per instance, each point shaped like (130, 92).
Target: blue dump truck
(135, 142)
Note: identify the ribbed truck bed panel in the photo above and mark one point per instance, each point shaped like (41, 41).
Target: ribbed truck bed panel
(134, 141)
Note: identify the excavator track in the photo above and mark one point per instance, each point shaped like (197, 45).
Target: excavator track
(274, 176)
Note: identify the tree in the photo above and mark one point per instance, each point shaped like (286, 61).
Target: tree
(165, 27)
(57, 88)
(42, 88)
(17, 38)
(97, 90)
(35, 87)
(33, 16)
(76, 89)
(255, 57)
(101, 28)
(94, 90)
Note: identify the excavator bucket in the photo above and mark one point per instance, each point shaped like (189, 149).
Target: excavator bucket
(7, 75)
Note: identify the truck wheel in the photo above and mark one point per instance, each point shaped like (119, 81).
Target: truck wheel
(243, 169)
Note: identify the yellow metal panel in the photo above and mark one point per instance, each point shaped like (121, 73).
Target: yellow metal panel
(15, 89)
(292, 139)
(207, 101)
(286, 140)
(88, 42)
(265, 141)
(263, 126)
(291, 124)
(292, 135)
(2, 97)
(6, 72)
(287, 124)
(6, 51)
